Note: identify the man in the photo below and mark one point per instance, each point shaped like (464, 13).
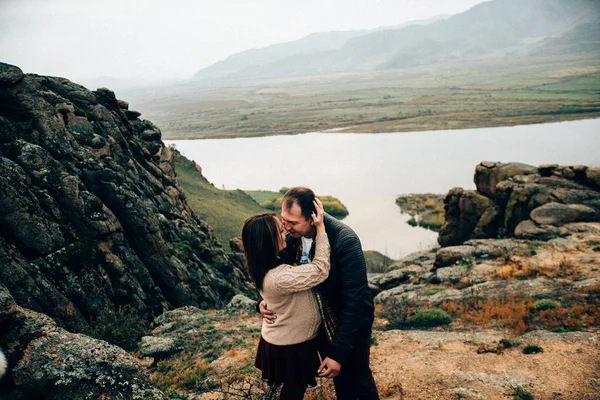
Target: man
(344, 298)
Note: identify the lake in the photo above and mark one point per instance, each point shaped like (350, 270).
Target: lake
(368, 171)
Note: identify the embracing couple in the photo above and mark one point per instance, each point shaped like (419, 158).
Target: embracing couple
(310, 272)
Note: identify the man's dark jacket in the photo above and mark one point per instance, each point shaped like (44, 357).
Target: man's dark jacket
(346, 289)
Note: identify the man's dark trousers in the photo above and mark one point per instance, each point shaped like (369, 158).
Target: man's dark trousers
(355, 381)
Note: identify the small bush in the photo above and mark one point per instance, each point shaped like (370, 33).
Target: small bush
(520, 393)
(542, 305)
(396, 312)
(433, 290)
(123, 327)
(532, 349)
(377, 263)
(466, 262)
(429, 318)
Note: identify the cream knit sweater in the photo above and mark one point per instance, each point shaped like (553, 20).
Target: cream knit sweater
(287, 290)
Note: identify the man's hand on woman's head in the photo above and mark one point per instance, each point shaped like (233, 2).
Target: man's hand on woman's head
(318, 216)
(268, 315)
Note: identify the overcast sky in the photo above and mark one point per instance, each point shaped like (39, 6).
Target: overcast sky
(176, 38)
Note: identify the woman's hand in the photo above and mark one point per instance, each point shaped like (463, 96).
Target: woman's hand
(319, 216)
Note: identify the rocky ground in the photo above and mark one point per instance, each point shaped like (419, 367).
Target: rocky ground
(507, 277)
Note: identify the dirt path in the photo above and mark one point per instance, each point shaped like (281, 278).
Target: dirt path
(421, 365)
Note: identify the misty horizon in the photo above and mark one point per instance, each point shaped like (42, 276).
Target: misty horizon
(117, 41)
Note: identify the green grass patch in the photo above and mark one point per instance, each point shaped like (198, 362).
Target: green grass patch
(377, 262)
(224, 210)
(542, 305)
(430, 291)
(429, 318)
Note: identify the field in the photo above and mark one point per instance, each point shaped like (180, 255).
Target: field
(478, 94)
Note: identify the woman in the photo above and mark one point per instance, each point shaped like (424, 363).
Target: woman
(287, 351)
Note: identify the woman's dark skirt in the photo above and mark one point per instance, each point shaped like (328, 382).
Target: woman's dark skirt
(295, 364)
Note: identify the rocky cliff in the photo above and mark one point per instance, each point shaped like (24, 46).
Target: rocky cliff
(526, 232)
(91, 215)
(522, 201)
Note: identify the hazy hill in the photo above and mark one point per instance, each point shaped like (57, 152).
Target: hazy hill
(492, 28)
(581, 39)
(313, 43)
(257, 61)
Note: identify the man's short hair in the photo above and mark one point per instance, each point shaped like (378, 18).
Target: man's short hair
(302, 196)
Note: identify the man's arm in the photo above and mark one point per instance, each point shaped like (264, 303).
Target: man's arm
(353, 275)
(261, 307)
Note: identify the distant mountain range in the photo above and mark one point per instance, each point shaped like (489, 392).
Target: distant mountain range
(498, 28)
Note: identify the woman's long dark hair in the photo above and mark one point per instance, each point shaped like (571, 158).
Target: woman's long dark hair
(260, 236)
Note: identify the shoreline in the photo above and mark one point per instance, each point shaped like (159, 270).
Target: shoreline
(354, 129)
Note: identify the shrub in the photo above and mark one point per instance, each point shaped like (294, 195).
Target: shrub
(334, 206)
(430, 204)
(466, 262)
(429, 318)
(123, 327)
(542, 305)
(433, 290)
(520, 393)
(396, 312)
(377, 262)
(532, 349)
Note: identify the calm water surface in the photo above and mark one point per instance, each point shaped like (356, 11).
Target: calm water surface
(368, 171)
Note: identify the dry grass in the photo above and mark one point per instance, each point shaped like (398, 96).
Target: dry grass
(577, 311)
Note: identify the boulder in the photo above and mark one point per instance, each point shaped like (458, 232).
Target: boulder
(236, 245)
(132, 115)
(493, 289)
(392, 279)
(464, 209)
(9, 74)
(559, 214)
(489, 174)
(452, 254)
(530, 230)
(424, 259)
(509, 194)
(481, 249)
(160, 347)
(241, 303)
(52, 363)
(592, 175)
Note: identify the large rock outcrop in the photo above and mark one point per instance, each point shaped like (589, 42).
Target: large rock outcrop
(48, 362)
(523, 201)
(91, 215)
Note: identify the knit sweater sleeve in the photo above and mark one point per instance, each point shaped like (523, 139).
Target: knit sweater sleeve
(289, 279)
